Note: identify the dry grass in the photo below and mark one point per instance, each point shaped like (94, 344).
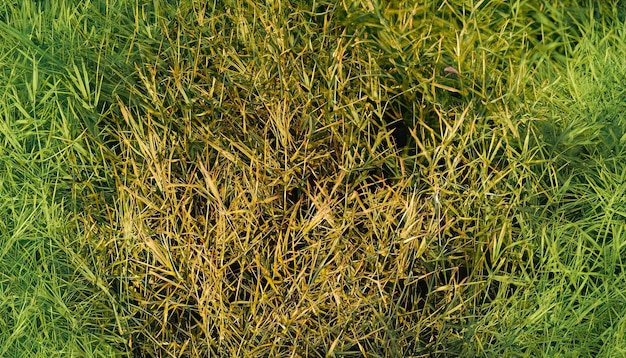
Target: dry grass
(266, 206)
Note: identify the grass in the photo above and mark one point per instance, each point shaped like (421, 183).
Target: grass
(292, 179)
(52, 304)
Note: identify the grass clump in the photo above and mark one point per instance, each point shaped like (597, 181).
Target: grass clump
(293, 179)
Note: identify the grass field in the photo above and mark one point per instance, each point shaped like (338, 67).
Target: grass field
(312, 178)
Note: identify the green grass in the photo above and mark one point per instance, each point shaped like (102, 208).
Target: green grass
(287, 178)
(51, 299)
(570, 303)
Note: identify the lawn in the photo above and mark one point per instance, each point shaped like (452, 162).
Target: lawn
(296, 178)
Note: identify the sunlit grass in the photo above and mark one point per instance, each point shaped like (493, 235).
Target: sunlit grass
(331, 179)
(52, 301)
(573, 293)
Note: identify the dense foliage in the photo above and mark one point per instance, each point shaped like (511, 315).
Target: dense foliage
(296, 178)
